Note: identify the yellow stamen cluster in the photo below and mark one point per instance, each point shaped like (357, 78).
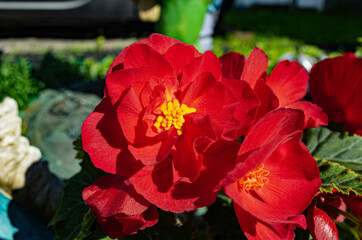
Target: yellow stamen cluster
(172, 115)
(255, 179)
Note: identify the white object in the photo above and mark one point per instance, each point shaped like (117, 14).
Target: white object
(16, 155)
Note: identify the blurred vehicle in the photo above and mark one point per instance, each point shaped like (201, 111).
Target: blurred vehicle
(309, 4)
(66, 12)
(318, 5)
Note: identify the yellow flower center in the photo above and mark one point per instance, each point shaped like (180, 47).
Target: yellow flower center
(255, 179)
(172, 114)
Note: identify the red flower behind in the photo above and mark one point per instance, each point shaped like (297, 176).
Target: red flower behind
(284, 87)
(336, 85)
(275, 177)
(169, 122)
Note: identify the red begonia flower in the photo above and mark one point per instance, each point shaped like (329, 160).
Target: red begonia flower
(275, 178)
(335, 85)
(167, 113)
(284, 87)
(120, 210)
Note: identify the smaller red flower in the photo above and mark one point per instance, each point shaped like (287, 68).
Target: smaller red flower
(284, 87)
(275, 177)
(335, 85)
(120, 210)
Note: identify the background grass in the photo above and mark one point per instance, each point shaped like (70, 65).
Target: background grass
(331, 29)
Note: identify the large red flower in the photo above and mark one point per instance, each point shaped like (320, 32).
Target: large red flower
(284, 87)
(169, 122)
(335, 85)
(275, 177)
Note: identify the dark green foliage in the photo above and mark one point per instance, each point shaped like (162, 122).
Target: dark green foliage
(347, 230)
(92, 69)
(335, 30)
(335, 176)
(57, 72)
(336, 147)
(61, 71)
(339, 157)
(274, 46)
(222, 220)
(166, 229)
(16, 80)
(67, 222)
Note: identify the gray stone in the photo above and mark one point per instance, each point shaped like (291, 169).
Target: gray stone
(53, 122)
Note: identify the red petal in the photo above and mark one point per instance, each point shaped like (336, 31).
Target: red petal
(155, 150)
(335, 86)
(288, 81)
(120, 226)
(114, 229)
(255, 229)
(160, 42)
(247, 101)
(266, 135)
(156, 185)
(129, 113)
(208, 62)
(187, 160)
(156, 41)
(232, 65)
(103, 140)
(320, 225)
(207, 96)
(111, 195)
(117, 82)
(354, 203)
(180, 55)
(268, 100)
(255, 66)
(276, 124)
(313, 115)
(219, 160)
(349, 54)
(143, 55)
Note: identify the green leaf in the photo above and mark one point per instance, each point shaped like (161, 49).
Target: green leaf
(347, 230)
(336, 147)
(167, 228)
(67, 222)
(90, 229)
(88, 220)
(336, 176)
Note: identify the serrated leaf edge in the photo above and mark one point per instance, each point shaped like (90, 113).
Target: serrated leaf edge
(328, 187)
